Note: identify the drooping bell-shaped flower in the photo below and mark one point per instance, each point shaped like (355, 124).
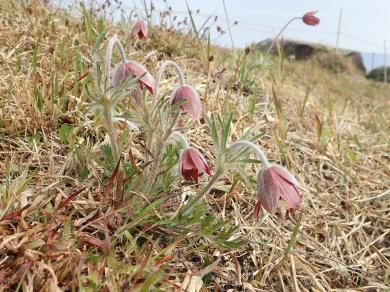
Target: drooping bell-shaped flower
(275, 183)
(140, 29)
(310, 19)
(134, 70)
(192, 163)
(193, 105)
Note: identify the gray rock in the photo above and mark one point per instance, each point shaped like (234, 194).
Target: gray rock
(379, 73)
(304, 50)
(298, 50)
(356, 58)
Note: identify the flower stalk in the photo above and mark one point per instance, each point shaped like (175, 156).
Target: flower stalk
(154, 97)
(106, 103)
(160, 73)
(113, 42)
(177, 136)
(254, 147)
(108, 116)
(308, 18)
(220, 171)
(280, 32)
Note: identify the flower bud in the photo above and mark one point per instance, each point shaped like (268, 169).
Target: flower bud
(135, 70)
(309, 18)
(140, 30)
(191, 163)
(275, 183)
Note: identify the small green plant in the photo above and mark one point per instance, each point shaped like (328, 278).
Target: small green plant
(167, 147)
(322, 136)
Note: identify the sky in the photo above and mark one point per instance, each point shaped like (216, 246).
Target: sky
(365, 24)
(367, 20)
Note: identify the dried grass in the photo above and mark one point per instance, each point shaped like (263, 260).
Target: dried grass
(343, 240)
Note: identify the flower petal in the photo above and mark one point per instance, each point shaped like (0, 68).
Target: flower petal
(310, 19)
(268, 192)
(284, 173)
(136, 70)
(193, 106)
(186, 160)
(289, 193)
(199, 161)
(257, 210)
(287, 187)
(140, 29)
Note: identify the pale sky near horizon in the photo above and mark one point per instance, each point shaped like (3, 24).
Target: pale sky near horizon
(364, 27)
(367, 20)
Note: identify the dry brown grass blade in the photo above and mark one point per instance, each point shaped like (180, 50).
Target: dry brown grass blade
(71, 197)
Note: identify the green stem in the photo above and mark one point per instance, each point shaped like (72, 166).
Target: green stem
(254, 147)
(169, 131)
(139, 14)
(280, 32)
(160, 145)
(160, 74)
(179, 137)
(149, 137)
(111, 131)
(205, 190)
(113, 42)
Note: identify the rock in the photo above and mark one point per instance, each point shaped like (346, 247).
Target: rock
(304, 50)
(357, 59)
(299, 50)
(379, 73)
(264, 45)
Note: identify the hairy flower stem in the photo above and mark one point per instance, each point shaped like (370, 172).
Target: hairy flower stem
(159, 146)
(179, 137)
(205, 190)
(106, 101)
(108, 116)
(155, 94)
(160, 74)
(254, 147)
(280, 32)
(169, 131)
(137, 12)
(113, 42)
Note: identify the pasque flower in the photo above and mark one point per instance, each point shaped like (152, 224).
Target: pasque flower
(140, 29)
(191, 163)
(310, 19)
(275, 183)
(135, 70)
(193, 105)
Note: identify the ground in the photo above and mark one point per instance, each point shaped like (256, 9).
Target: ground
(61, 229)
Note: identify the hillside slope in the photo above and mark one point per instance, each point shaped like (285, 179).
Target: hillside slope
(60, 229)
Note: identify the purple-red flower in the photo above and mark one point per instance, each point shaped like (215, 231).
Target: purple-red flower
(193, 105)
(275, 183)
(309, 18)
(191, 163)
(135, 70)
(140, 29)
